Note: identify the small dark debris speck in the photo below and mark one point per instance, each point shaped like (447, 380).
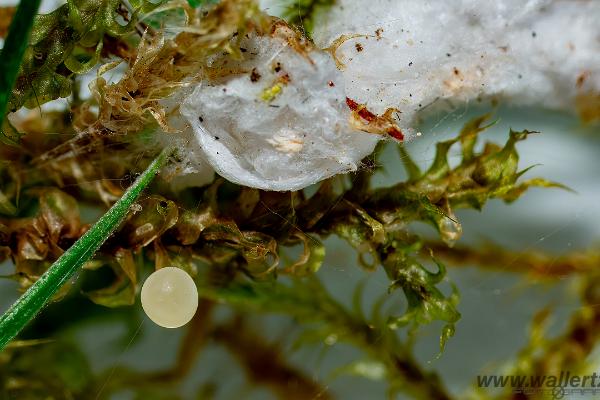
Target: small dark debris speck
(448, 55)
(217, 138)
(243, 50)
(410, 64)
(254, 75)
(277, 67)
(359, 47)
(285, 78)
(533, 34)
(331, 84)
(581, 80)
(200, 119)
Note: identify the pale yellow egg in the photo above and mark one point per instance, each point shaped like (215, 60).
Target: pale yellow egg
(170, 297)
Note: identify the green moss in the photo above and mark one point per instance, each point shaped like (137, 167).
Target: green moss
(302, 13)
(236, 241)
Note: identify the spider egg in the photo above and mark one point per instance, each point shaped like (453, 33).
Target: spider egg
(169, 297)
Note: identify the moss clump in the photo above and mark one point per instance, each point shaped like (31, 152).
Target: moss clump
(236, 241)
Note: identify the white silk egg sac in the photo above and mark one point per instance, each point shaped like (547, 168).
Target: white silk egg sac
(169, 297)
(279, 121)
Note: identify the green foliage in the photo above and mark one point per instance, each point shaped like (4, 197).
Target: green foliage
(432, 196)
(25, 372)
(122, 291)
(378, 225)
(69, 41)
(198, 3)
(426, 302)
(326, 320)
(234, 240)
(11, 56)
(302, 13)
(242, 230)
(32, 301)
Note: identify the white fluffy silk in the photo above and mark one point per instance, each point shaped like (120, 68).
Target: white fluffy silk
(280, 121)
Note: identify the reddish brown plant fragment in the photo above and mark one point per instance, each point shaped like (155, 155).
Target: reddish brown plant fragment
(366, 121)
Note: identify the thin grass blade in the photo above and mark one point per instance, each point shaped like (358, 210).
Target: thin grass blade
(14, 47)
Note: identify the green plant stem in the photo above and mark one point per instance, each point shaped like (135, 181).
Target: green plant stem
(14, 47)
(32, 301)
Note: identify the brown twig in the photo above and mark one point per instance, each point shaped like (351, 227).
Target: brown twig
(265, 365)
(532, 262)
